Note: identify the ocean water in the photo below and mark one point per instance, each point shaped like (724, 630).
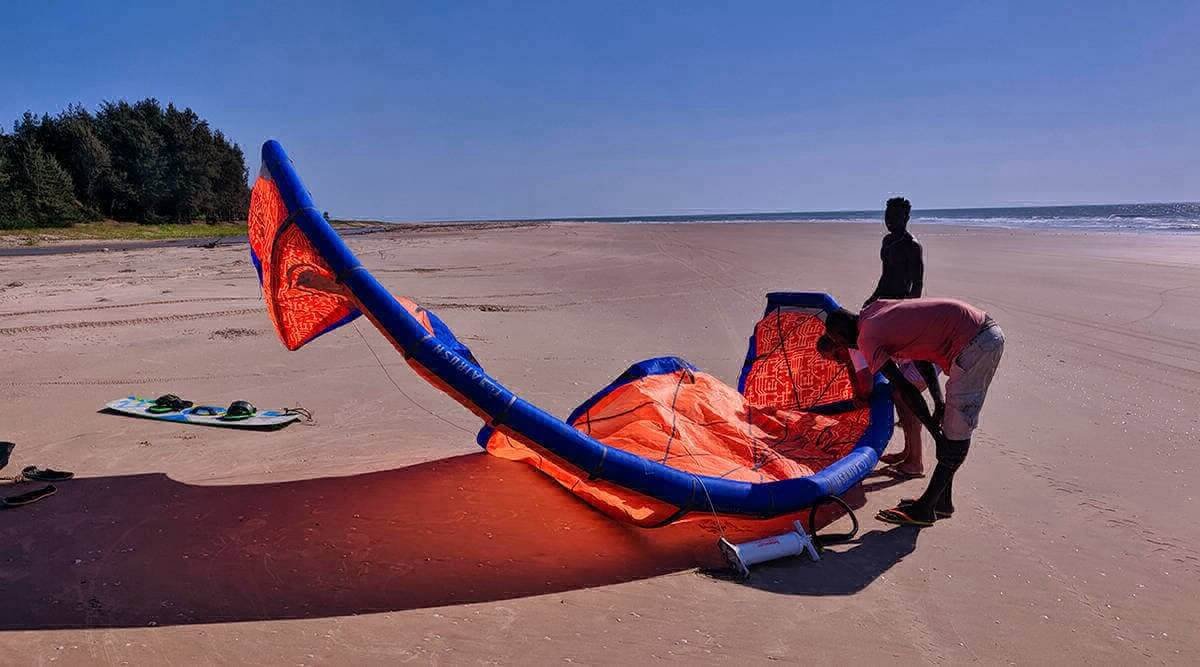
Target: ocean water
(1179, 217)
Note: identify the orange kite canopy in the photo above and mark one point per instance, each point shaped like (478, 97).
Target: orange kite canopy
(661, 441)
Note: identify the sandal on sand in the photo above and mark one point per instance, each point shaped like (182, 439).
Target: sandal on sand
(938, 513)
(892, 459)
(895, 471)
(37, 474)
(30, 496)
(901, 518)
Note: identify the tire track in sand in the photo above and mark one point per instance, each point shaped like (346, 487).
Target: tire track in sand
(168, 302)
(169, 379)
(41, 328)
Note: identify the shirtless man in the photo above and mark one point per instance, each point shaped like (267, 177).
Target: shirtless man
(903, 273)
(903, 277)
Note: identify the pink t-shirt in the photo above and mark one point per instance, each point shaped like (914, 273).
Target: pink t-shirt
(864, 379)
(934, 330)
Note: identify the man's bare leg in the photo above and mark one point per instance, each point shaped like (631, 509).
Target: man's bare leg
(910, 460)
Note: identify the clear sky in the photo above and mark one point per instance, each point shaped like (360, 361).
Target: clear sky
(460, 110)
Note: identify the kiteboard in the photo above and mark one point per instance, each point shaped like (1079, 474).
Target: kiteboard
(205, 415)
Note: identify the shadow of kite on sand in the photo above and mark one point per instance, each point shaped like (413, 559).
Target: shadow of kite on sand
(143, 550)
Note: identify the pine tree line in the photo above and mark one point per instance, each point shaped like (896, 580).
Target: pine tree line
(136, 162)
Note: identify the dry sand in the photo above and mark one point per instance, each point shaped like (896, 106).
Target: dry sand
(382, 534)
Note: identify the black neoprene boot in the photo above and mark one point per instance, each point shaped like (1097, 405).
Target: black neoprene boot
(950, 455)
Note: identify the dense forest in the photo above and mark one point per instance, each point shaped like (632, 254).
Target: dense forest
(139, 162)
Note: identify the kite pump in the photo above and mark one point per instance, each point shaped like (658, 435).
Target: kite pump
(792, 543)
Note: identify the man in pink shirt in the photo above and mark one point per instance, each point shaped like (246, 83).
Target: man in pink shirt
(951, 334)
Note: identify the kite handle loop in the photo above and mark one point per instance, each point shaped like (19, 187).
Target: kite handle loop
(833, 538)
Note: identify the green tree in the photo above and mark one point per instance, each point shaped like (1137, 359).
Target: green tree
(129, 161)
(39, 190)
(11, 201)
(71, 138)
(134, 137)
(230, 194)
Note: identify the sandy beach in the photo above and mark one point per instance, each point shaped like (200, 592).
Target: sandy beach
(381, 533)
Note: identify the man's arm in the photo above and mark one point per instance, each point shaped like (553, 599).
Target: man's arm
(883, 275)
(912, 397)
(917, 266)
(935, 389)
(861, 381)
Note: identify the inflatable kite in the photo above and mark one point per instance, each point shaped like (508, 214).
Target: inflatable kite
(661, 441)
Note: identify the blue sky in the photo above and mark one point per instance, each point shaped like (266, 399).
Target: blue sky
(462, 110)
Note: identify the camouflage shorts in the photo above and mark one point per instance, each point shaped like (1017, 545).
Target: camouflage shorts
(970, 376)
